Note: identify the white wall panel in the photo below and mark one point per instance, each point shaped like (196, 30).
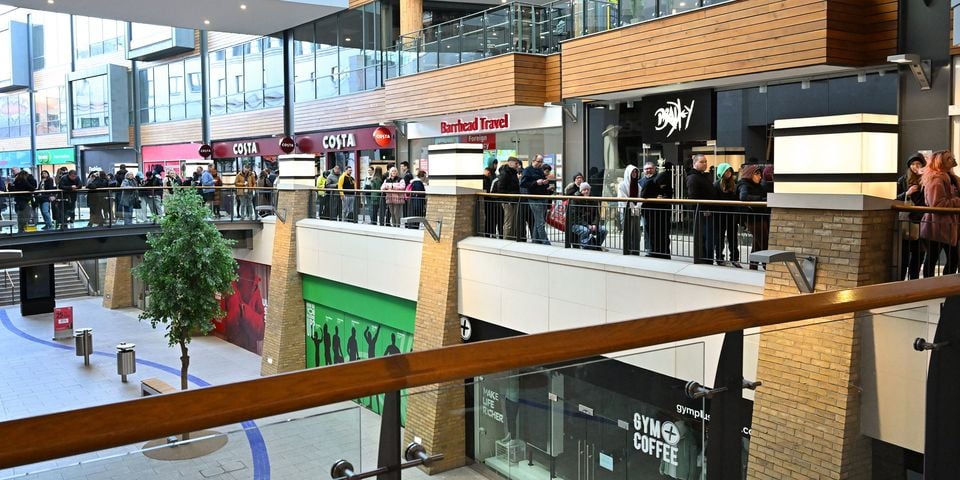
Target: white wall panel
(262, 251)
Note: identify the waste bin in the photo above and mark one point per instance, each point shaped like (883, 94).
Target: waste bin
(84, 343)
(126, 360)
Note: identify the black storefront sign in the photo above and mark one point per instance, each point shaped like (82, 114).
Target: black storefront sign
(679, 117)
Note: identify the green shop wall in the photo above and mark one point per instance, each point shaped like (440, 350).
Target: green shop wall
(346, 323)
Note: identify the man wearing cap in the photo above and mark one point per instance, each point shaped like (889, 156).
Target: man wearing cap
(583, 220)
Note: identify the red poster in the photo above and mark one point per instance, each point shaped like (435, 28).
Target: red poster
(62, 319)
(245, 308)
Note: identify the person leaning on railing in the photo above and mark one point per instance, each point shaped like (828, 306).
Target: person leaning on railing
(940, 189)
(24, 184)
(508, 183)
(394, 183)
(70, 184)
(910, 192)
(45, 198)
(656, 215)
(757, 221)
(98, 202)
(245, 182)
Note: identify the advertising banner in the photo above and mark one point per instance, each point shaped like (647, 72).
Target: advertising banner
(678, 117)
(246, 308)
(62, 323)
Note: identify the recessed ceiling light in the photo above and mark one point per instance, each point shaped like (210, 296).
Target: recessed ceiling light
(243, 6)
(50, 2)
(346, 39)
(206, 22)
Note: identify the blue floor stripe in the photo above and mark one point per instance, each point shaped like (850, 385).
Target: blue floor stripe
(258, 448)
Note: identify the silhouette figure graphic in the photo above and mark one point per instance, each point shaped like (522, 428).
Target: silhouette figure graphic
(326, 346)
(392, 349)
(352, 353)
(316, 347)
(371, 342)
(337, 351)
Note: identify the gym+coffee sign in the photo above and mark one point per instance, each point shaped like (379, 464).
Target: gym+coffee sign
(678, 117)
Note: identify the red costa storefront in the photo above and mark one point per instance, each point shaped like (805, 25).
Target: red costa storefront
(170, 157)
(359, 148)
(231, 155)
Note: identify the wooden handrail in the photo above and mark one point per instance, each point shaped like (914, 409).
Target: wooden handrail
(901, 207)
(68, 433)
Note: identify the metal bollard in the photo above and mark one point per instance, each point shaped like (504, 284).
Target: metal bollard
(126, 360)
(84, 343)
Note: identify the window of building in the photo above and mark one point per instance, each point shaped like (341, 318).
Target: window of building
(97, 36)
(247, 77)
(90, 109)
(51, 39)
(51, 111)
(15, 115)
(170, 92)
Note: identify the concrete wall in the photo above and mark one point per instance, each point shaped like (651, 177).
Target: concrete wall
(262, 245)
(534, 289)
(382, 259)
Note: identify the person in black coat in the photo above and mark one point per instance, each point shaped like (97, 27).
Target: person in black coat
(508, 183)
(23, 202)
(70, 184)
(656, 215)
(908, 188)
(700, 187)
(725, 223)
(757, 221)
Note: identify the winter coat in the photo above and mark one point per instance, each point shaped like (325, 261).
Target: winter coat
(418, 201)
(129, 196)
(245, 183)
(507, 181)
(940, 190)
(23, 184)
(583, 212)
(700, 186)
(752, 192)
(654, 187)
(528, 181)
(394, 184)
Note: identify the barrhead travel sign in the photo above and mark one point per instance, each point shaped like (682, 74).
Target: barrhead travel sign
(475, 124)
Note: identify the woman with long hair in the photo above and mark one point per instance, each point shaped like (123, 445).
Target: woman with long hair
(908, 190)
(940, 189)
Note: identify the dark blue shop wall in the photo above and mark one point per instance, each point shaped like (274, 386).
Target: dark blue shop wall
(744, 115)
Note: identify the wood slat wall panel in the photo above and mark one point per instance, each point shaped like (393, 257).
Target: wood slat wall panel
(171, 132)
(218, 40)
(14, 144)
(52, 141)
(367, 108)
(257, 123)
(515, 79)
(552, 77)
(748, 36)
(351, 4)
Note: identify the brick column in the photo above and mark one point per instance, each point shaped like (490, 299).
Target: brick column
(435, 413)
(118, 283)
(283, 338)
(806, 416)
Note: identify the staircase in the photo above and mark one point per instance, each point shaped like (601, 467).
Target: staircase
(68, 283)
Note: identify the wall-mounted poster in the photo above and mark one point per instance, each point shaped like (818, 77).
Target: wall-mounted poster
(246, 308)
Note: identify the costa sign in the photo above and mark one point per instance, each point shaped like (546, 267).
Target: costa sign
(287, 145)
(382, 137)
(205, 150)
(244, 149)
(339, 142)
(476, 124)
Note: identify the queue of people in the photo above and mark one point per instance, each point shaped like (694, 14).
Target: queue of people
(384, 198)
(928, 237)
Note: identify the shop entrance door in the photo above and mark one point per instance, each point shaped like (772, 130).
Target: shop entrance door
(597, 437)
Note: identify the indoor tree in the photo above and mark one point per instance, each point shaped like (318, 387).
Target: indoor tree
(187, 267)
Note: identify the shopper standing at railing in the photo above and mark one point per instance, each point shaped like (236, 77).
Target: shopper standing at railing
(128, 197)
(492, 213)
(24, 184)
(629, 214)
(656, 215)
(346, 184)
(97, 202)
(910, 192)
(534, 182)
(750, 189)
(725, 224)
(245, 183)
(375, 198)
(940, 189)
(45, 198)
(208, 181)
(700, 187)
(333, 200)
(393, 183)
(70, 185)
(508, 183)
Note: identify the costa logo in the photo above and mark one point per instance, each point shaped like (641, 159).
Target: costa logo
(205, 150)
(339, 142)
(246, 148)
(382, 137)
(287, 145)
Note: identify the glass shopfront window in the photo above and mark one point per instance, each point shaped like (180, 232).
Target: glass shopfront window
(243, 77)
(338, 55)
(90, 109)
(523, 144)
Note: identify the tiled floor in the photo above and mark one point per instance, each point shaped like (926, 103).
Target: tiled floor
(43, 376)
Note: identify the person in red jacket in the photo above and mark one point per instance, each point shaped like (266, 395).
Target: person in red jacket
(941, 188)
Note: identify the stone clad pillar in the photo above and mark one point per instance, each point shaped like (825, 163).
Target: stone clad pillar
(806, 415)
(435, 413)
(284, 347)
(118, 283)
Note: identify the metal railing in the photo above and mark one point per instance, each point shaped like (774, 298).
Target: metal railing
(925, 242)
(705, 231)
(39, 210)
(383, 207)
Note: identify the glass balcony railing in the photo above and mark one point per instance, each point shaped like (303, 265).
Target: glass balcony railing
(517, 28)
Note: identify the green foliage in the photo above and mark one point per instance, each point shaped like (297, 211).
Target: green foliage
(187, 264)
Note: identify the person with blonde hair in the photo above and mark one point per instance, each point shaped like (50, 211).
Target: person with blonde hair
(941, 188)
